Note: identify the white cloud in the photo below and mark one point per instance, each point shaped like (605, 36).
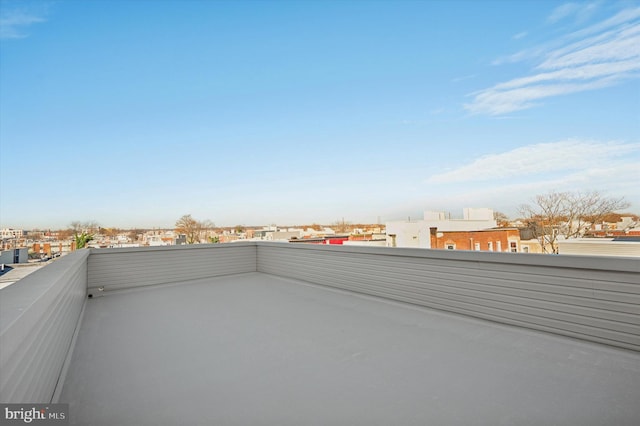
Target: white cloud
(605, 54)
(563, 157)
(14, 22)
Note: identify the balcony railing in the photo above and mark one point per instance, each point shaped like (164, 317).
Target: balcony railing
(595, 299)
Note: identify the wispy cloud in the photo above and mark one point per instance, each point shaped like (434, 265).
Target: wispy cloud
(519, 35)
(593, 57)
(464, 77)
(578, 11)
(562, 12)
(617, 180)
(564, 157)
(15, 20)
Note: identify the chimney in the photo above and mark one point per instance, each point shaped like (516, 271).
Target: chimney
(433, 238)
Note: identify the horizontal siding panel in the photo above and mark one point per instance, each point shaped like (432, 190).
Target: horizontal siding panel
(118, 269)
(40, 314)
(611, 281)
(572, 266)
(534, 291)
(584, 295)
(453, 278)
(595, 304)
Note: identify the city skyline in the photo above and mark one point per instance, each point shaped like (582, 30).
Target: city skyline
(132, 114)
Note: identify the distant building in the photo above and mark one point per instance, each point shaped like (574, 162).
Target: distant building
(367, 239)
(627, 226)
(282, 235)
(7, 233)
(229, 238)
(417, 233)
(500, 240)
(530, 245)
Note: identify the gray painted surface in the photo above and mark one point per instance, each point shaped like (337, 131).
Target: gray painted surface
(591, 298)
(255, 349)
(115, 269)
(38, 317)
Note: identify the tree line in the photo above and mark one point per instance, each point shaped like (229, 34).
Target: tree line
(548, 217)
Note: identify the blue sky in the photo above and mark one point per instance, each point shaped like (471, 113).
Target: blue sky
(133, 113)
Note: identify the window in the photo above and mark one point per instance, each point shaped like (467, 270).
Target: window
(450, 246)
(476, 246)
(525, 249)
(499, 245)
(490, 246)
(513, 247)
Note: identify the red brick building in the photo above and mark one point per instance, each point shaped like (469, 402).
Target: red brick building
(500, 239)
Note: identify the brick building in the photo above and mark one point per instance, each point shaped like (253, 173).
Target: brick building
(501, 239)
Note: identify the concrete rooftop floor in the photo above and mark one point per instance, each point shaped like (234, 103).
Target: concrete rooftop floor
(257, 349)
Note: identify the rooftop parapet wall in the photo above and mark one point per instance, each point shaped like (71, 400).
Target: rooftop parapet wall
(122, 268)
(38, 318)
(591, 298)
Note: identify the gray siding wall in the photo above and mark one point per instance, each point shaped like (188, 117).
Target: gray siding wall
(8, 256)
(592, 298)
(121, 268)
(38, 318)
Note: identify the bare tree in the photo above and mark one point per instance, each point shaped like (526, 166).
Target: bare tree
(64, 234)
(341, 226)
(192, 228)
(110, 232)
(207, 227)
(501, 218)
(567, 214)
(586, 209)
(134, 234)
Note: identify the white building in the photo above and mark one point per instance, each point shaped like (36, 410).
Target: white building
(11, 233)
(283, 235)
(416, 233)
